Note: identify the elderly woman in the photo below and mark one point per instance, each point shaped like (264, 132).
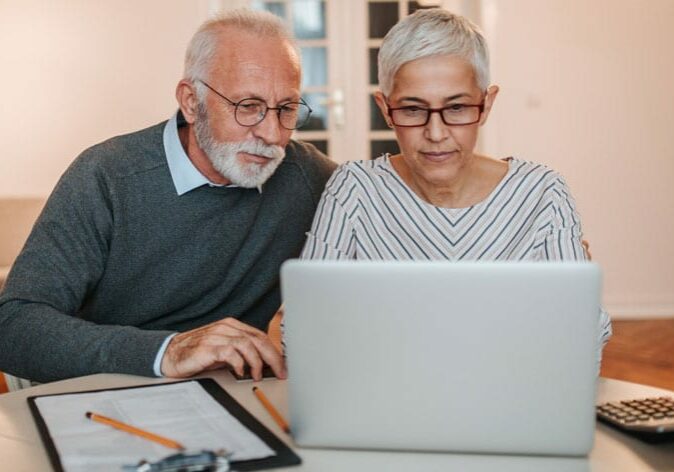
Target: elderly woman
(438, 199)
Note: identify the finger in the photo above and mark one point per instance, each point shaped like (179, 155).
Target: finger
(232, 357)
(247, 349)
(271, 356)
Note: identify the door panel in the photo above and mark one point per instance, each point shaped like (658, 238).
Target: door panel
(339, 41)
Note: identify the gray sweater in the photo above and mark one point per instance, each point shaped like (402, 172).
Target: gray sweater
(117, 260)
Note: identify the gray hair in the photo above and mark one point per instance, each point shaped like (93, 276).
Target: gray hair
(432, 32)
(203, 45)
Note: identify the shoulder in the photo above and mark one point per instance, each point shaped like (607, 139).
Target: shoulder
(529, 179)
(361, 172)
(94, 170)
(306, 166)
(529, 168)
(312, 161)
(123, 155)
(527, 174)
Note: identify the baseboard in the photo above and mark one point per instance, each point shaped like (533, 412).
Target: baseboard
(635, 311)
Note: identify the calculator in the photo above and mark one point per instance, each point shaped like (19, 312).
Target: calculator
(650, 419)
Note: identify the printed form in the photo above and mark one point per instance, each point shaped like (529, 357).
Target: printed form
(184, 412)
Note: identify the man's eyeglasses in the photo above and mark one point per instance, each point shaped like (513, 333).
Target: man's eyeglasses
(452, 115)
(251, 111)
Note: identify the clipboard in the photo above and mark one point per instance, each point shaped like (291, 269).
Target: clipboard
(284, 455)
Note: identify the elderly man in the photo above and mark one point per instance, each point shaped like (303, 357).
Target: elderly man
(158, 252)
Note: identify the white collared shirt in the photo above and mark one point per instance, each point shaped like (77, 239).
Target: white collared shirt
(184, 174)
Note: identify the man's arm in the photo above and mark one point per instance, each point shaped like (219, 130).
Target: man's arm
(41, 336)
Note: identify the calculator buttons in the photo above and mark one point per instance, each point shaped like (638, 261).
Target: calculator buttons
(654, 415)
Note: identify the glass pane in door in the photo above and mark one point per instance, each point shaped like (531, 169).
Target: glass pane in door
(309, 19)
(379, 147)
(382, 16)
(277, 8)
(319, 112)
(372, 55)
(414, 6)
(377, 121)
(314, 67)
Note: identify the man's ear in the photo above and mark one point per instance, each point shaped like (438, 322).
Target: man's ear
(489, 98)
(383, 108)
(186, 94)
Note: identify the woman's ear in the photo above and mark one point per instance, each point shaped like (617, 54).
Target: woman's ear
(186, 95)
(489, 98)
(383, 107)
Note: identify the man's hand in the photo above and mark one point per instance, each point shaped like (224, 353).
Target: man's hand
(225, 342)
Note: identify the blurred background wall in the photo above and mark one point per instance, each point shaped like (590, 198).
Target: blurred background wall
(586, 88)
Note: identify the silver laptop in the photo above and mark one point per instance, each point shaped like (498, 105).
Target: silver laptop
(440, 356)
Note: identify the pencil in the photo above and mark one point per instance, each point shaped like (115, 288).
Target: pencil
(133, 430)
(272, 411)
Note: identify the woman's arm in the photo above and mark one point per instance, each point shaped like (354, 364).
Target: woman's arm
(564, 242)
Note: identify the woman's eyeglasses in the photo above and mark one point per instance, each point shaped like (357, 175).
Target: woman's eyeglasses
(452, 115)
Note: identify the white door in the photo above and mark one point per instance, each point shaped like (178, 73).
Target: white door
(339, 41)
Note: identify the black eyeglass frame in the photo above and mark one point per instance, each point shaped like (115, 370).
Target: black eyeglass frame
(267, 108)
(430, 111)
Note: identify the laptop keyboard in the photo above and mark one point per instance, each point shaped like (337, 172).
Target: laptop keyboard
(267, 373)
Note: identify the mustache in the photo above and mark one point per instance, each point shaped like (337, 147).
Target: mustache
(259, 148)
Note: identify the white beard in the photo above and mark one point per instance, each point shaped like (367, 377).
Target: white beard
(223, 155)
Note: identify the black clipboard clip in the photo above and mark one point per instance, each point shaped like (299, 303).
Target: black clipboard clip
(202, 461)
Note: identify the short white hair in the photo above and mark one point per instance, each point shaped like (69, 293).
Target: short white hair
(432, 32)
(203, 45)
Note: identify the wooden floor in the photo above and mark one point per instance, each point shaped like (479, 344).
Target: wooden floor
(640, 351)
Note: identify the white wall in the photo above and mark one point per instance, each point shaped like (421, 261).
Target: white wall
(586, 87)
(76, 72)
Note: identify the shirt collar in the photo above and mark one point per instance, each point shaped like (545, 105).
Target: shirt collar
(185, 175)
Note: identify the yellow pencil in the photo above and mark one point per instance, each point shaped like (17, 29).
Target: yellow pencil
(133, 430)
(272, 411)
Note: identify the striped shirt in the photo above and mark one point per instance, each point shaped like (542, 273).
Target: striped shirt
(368, 212)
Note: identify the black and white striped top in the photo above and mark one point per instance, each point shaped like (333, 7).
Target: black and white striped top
(368, 212)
